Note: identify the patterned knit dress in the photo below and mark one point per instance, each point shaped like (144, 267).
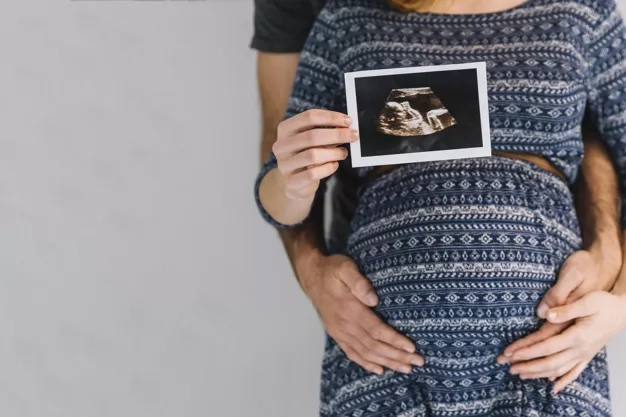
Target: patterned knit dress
(462, 251)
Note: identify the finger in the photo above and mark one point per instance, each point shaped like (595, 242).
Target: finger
(361, 342)
(585, 307)
(546, 331)
(570, 377)
(313, 157)
(354, 356)
(582, 290)
(310, 175)
(360, 286)
(314, 138)
(551, 374)
(385, 350)
(570, 277)
(311, 119)
(380, 330)
(553, 365)
(555, 344)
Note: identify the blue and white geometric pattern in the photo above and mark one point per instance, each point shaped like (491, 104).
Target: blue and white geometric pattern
(462, 251)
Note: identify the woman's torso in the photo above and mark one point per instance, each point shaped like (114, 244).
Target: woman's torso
(536, 57)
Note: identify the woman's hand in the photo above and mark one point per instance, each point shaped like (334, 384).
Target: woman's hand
(598, 317)
(583, 273)
(306, 154)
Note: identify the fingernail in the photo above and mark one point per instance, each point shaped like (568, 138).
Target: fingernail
(542, 310)
(355, 135)
(372, 299)
(552, 315)
(508, 354)
(348, 121)
(409, 348)
(345, 153)
(513, 371)
(502, 361)
(417, 361)
(406, 369)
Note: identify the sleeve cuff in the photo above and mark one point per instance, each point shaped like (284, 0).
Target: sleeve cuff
(267, 167)
(277, 46)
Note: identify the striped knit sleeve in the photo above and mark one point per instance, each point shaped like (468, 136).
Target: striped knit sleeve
(607, 92)
(318, 85)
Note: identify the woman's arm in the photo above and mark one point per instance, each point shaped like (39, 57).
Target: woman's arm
(302, 157)
(341, 295)
(304, 154)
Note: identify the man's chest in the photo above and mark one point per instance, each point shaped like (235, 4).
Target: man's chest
(318, 5)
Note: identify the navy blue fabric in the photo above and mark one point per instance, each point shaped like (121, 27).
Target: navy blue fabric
(460, 254)
(547, 63)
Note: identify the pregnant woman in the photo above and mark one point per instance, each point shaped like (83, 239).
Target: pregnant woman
(461, 251)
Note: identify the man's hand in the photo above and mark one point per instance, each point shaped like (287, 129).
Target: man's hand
(342, 298)
(598, 317)
(582, 274)
(341, 295)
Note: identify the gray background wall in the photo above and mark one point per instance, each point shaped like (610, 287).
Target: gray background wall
(130, 250)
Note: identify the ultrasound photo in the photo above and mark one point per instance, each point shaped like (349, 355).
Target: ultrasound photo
(419, 114)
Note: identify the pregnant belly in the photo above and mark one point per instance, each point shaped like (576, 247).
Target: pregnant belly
(461, 252)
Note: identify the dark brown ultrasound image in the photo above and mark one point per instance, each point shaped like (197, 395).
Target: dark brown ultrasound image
(413, 112)
(418, 112)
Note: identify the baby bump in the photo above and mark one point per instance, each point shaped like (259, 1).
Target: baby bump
(461, 252)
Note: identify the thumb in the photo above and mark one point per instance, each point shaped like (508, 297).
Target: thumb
(358, 285)
(570, 277)
(585, 307)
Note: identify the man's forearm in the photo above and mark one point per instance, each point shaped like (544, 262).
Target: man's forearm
(276, 74)
(304, 243)
(597, 202)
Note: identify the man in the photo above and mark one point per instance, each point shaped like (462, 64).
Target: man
(343, 297)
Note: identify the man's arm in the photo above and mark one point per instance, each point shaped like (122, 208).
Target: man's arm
(340, 294)
(598, 206)
(597, 203)
(560, 349)
(275, 76)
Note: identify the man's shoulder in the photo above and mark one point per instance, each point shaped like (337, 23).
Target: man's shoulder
(292, 5)
(282, 26)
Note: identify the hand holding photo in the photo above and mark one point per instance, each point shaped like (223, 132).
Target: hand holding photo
(419, 114)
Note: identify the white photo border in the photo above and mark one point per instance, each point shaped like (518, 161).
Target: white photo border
(365, 161)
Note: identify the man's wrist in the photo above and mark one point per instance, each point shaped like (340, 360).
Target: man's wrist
(305, 266)
(304, 249)
(607, 254)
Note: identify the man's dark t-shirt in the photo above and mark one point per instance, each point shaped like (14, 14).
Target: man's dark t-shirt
(282, 26)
